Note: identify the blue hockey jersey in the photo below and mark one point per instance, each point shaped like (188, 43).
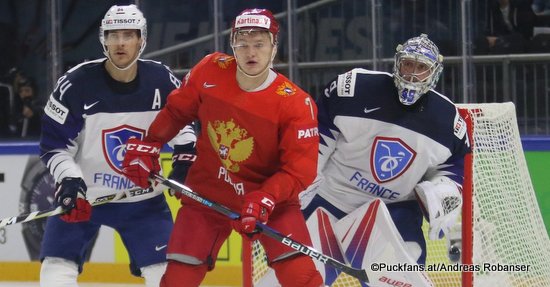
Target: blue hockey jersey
(372, 146)
(90, 116)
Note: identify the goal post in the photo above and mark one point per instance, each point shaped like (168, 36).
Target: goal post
(503, 235)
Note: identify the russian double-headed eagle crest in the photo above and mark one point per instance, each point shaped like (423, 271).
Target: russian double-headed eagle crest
(231, 142)
(286, 89)
(223, 61)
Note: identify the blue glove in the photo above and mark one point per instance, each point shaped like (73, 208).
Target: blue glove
(71, 195)
(182, 159)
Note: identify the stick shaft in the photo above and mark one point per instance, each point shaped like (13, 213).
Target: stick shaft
(58, 210)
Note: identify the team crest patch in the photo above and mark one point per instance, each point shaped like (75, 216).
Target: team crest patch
(232, 143)
(114, 144)
(286, 89)
(390, 158)
(223, 61)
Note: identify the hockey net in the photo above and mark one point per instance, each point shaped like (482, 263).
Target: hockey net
(501, 221)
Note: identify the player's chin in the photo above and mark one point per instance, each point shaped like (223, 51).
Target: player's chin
(253, 69)
(122, 61)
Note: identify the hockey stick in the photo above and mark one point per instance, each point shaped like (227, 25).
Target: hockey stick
(59, 210)
(360, 274)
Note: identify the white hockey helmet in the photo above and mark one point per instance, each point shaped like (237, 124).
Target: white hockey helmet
(421, 50)
(127, 17)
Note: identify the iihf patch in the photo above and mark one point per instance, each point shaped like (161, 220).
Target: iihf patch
(390, 158)
(459, 127)
(114, 144)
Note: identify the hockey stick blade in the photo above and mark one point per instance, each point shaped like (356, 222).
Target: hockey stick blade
(360, 274)
(59, 210)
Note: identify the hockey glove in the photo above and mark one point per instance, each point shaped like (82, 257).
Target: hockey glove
(141, 159)
(71, 195)
(443, 204)
(182, 159)
(257, 206)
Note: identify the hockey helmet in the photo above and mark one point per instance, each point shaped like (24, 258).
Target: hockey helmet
(127, 17)
(256, 19)
(425, 72)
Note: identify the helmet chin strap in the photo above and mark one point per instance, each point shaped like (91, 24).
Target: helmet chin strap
(106, 53)
(119, 68)
(269, 65)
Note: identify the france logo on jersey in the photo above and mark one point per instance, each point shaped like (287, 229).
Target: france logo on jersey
(114, 144)
(390, 158)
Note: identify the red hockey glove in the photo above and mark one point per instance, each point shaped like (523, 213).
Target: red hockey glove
(182, 159)
(257, 205)
(141, 159)
(71, 195)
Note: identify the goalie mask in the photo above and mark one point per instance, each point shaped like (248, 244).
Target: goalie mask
(127, 17)
(417, 68)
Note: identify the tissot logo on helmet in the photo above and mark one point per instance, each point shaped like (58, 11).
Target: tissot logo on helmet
(124, 21)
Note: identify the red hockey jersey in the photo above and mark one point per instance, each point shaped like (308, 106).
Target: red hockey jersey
(263, 140)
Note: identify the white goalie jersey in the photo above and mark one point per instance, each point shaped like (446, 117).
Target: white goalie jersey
(373, 147)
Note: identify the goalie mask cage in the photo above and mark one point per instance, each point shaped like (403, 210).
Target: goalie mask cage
(501, 221)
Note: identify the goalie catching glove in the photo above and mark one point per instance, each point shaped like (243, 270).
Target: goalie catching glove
(71, 195)
(257, 206)
(141, 159)
(442, 204)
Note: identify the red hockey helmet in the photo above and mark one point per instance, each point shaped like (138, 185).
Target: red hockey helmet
(254, 19)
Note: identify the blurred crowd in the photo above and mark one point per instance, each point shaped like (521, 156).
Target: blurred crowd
(515, 26)
(22, 108)
(499, 27)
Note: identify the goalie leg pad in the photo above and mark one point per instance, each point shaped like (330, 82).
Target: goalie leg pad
(183, 275)
(297, 271)
(369, 235)
(58, 272)
(320, 225)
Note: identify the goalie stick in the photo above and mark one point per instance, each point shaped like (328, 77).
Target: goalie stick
(360, 274)
(59, 210)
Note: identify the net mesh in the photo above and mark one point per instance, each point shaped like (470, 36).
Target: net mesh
(507, 223)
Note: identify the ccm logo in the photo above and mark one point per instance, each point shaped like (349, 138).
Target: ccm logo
(268, 202)
(184, 157)
(143, 148)
(308, 133)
